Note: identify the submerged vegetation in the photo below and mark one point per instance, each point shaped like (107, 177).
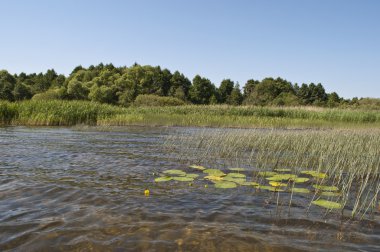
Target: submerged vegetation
(335, 169)
(68, 113)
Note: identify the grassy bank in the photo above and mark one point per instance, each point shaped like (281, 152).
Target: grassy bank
(68, 113)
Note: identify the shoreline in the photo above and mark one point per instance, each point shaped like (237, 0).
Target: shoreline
(71, 113)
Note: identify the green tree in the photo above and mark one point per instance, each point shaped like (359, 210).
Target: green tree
(21, 92)
(102, 94)
(7, 83)
(249, 87)
(213, 100)
(333, 100)
(129, 85)
(304, 94)
(286, 99)
(180, 94)
(236, 97)
(179, 86)
(201, 90)
(77, 91)
(225, 90)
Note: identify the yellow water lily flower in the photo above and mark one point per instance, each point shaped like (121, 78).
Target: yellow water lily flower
(146, 192)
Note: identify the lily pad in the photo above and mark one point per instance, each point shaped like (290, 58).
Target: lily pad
(237, 169)
(281, 177)
(213, 178)
(183, 179)
(236, 175)
(192, 175)
(225, 184)
(277, 184)
(300, 180)
(326, 188)
(327, 204)
(214, 172)
(300, 190)
(235, 180)
(283, 170)
(198, 167)
(271, 188)
(315, 174)
(267, 173)
(162, 179)
(175, 172)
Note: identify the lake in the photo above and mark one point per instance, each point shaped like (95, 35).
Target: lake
(64, 189)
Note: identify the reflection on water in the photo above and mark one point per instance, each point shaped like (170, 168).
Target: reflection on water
(67, 189)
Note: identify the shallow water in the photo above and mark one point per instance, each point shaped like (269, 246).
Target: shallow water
(65, 189)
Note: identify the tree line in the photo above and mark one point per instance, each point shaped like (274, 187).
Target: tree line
(106, 83)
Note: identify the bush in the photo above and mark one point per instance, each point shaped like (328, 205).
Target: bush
(155, 100)
(51, 94)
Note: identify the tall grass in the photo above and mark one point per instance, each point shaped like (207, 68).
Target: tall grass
(59, 112)
(54, 112)
(349, 157)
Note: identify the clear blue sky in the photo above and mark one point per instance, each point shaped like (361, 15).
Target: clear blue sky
(335, 42)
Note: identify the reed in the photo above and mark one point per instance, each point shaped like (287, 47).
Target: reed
(60, 112)
(350, 157)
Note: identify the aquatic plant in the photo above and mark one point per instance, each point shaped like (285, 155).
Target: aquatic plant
(225, 184)
(327, 204)
(175, 172)
(198, 167)
(214, 172)
(163, 179)
(64, 112)
(341, 165)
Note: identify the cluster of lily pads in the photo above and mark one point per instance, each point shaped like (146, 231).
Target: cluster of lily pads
(279, 180)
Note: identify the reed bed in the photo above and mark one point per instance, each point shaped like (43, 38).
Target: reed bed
(67, 113)
(349, 157)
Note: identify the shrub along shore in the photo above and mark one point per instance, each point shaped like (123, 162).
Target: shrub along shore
(69, 113)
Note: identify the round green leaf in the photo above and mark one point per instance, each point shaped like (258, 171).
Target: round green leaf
(326, 188)
(225, 184)
(280, 177)
(214, 172)
(315, 174)
(192, 175)
(327, 204)
(197, 167)
(235, 180)
(162, 179)
(175, 172)
(300, 180)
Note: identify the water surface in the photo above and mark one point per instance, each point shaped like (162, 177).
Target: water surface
(64, 189)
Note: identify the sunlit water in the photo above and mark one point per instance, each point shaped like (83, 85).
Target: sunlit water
(64, 189)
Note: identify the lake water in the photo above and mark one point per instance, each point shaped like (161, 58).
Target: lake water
(64, 189)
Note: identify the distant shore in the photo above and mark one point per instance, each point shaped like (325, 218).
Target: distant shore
(70, 113)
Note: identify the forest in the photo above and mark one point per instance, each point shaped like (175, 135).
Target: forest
(152, 85)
